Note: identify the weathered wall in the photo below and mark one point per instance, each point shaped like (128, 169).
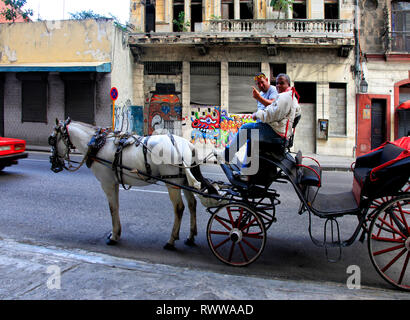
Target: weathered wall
(56, 41)
(374, 21)
(322, 66)
(57, 44)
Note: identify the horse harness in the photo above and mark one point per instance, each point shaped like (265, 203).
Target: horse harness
(98, 140)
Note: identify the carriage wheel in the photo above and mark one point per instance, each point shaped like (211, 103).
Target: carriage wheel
(389, 242)
(236, 235)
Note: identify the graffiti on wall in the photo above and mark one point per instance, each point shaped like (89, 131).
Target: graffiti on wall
(165, 110)
(129, 119)
(212, 125)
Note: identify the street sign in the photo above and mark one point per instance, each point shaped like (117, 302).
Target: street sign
(114, 93)
(114, 96)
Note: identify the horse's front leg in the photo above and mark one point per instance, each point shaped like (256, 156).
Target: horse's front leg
(176, 199)
(112, 191)
(192, 209)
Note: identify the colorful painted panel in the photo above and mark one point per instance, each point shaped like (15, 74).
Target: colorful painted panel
(213, 126)
(165, 112)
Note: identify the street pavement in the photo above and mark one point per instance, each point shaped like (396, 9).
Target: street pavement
(34, 272)
(31, 271)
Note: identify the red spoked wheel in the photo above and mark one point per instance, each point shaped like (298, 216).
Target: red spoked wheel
(389, 242)
(236, 234)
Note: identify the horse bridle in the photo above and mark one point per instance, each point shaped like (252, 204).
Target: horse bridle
(60, 133)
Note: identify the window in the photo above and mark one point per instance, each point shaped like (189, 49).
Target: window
(179, 8)
(33, 97)
(337, 108)
(166, 67)
(306, 91)
(275, 69)
(227, 9)
(79, 96)
(299, 9)
(400, 26)
(246, 9)
(331, 9)
(196, 13)
(149, 16)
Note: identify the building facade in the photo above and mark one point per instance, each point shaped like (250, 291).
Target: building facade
(207, 51)
(56, 69)
(384, 66)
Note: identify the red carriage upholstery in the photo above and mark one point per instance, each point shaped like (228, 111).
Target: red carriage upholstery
(382, 171)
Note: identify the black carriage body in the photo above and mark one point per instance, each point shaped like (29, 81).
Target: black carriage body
(382, 172)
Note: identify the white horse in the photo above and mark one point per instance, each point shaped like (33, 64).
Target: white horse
(164, 156)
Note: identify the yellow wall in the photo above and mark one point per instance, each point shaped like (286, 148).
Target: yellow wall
(56, 41)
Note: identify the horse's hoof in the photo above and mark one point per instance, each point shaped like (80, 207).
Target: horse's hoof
(190, 242)
(109, 241)
(170, 247)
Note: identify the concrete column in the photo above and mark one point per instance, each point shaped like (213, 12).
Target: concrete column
(237, 9)
(265, 68)
(138, 84)
(187, 10)
(224, 86)
(186, 98)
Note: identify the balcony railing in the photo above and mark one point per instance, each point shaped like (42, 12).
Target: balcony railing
(281, 27)
(400, 41)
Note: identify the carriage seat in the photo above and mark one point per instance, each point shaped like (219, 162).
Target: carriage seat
(391, 176)
(308, 175)
(364, 164)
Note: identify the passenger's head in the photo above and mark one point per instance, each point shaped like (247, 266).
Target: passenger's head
(282, 82)
(262, 81)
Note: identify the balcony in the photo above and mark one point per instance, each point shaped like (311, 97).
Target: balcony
(282, 32)
(283, 27)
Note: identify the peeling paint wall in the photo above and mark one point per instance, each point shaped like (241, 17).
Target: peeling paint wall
(56, 41)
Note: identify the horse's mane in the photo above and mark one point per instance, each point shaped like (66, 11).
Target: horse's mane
(89, 126)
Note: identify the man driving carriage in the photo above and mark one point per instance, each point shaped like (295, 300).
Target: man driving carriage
(273, 129)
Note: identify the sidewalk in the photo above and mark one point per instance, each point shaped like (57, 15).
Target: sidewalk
(34, 272)
(328, 163)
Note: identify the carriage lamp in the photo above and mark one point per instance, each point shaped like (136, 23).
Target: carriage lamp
(363, 86)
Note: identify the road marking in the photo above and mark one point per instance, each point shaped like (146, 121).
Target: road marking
(142, 190)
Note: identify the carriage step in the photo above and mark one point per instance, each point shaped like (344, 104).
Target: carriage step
(332, 243)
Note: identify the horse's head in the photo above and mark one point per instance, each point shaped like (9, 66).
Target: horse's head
(60, 143)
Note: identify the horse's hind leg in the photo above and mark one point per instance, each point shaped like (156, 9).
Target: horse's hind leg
(112, 192)
(192, 209)
(176, 199)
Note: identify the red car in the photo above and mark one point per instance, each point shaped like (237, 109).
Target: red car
(11, 150)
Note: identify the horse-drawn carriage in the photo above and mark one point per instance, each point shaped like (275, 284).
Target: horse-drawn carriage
(242, 211)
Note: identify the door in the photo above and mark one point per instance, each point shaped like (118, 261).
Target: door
(378, 126)
(149, 17)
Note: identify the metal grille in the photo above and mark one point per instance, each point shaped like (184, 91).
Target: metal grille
(163, 67)
(244, 68)
(205, 68)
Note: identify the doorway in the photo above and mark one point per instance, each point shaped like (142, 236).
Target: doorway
(378, 123)
(149, 17)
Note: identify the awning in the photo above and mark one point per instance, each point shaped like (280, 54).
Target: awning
(404, 106)
(58, 67)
